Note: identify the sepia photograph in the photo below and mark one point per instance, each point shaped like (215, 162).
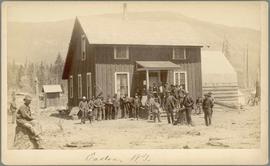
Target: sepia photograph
(130, 82)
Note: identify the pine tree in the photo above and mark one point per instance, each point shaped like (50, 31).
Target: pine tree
(58, 66)
(31, 76)
(20, 74)
(41, 74)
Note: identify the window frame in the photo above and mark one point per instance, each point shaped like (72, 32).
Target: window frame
(179, 72)
(79, 85)
(89, 74)
(173, 54)
(83, 47)
(71, 86)
(115, 82)
(115, 52)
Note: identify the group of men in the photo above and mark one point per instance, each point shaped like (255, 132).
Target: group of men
(175, 100)
(98, 109)
(178, 103)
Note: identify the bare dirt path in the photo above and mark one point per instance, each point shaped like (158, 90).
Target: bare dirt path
(230, 129)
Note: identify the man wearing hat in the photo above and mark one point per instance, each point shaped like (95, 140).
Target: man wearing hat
(207, 109)
(25, 120)
(188, 104)
(83, 106)
(137, 105)
(108, 108)
(98, 108)
(116, 106)
(170, 105)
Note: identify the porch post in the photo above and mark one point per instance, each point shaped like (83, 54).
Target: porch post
(147, 80)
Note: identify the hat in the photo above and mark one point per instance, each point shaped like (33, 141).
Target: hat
(154, 91)
(27, 97)
(84, 97)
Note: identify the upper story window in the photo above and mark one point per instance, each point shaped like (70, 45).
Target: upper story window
(83, 49)
(179, 53)
(79, 86)
(71, 86)
(121, 53)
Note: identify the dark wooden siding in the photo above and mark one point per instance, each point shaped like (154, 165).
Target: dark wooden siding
(78, 66)
(106, 66)
(105, 77)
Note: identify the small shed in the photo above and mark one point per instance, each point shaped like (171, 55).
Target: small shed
(51, 95)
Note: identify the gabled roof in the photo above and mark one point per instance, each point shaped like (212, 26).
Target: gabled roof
(100, 30)
(51, 88)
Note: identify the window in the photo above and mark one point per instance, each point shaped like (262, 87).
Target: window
(70, 86)
(79, 86)
(179, 53)
(122, 83)
(89, 85)
(83, 49)
(121, 53)
(180, 78)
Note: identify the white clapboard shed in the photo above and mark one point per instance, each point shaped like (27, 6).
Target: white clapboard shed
(51, 95)
(219, 77)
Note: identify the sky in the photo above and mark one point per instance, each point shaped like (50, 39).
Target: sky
(240, 14)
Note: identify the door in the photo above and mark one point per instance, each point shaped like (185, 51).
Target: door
(154, 77)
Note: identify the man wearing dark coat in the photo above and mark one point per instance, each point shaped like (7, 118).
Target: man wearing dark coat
(169, 106)
(188, 104)
(207, 109)
(116, 106)
(137, 105)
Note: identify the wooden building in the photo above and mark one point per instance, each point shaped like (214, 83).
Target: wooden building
(51, 95)
(117, 56)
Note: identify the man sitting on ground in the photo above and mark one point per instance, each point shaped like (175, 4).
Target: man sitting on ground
(26, 121)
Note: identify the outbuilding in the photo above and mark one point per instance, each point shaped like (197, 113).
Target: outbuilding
(51, 95)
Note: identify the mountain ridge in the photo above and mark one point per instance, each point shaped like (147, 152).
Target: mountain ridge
(44, 40)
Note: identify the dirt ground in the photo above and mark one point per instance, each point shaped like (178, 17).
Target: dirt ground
(230, 129)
